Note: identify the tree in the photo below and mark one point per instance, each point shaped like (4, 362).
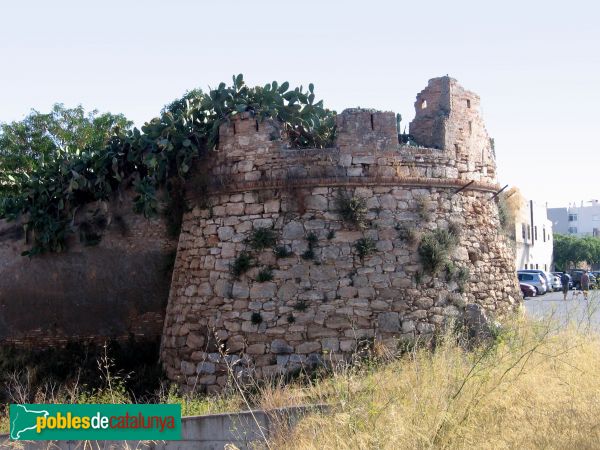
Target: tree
(42, 138)
(571, 250)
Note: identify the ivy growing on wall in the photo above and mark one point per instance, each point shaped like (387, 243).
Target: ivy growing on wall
(164, 150)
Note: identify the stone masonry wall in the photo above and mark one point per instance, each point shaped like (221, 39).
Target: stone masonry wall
(322, 307)
(115, 289)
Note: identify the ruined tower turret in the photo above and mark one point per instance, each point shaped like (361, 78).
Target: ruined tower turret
(447, 117)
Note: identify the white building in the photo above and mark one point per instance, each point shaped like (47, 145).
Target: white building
(533, 236)
(577, 220)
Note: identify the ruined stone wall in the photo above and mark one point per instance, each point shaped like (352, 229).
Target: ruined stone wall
(448, 118)
(323, 304)
(115, 289)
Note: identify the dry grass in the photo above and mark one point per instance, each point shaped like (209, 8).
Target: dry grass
(534, 387)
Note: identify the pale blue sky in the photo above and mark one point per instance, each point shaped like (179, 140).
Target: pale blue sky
(535, 64)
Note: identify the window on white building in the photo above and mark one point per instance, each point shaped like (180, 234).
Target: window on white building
(596, 217)
(572, 217)
(572, 230)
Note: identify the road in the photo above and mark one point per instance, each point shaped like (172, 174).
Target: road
(575, 310)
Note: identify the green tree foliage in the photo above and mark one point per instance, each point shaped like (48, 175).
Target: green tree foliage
(40, 139)
(571, 250)
(71, 165)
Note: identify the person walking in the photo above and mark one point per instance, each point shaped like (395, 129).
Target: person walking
(564, 279)
(585, 284)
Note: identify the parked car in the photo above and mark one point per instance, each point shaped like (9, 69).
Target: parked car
(556, 283)
(576, 275)
(534, 279)
(527, 290)
(545, 275)
(560, 274)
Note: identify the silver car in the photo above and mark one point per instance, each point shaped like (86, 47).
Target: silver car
(535, 279)
(547, 276)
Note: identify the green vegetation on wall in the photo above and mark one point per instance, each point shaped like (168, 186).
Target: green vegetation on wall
(47, 172)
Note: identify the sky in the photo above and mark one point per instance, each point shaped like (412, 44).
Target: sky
(535, 64)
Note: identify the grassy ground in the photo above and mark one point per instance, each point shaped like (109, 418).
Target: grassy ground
(533, 386)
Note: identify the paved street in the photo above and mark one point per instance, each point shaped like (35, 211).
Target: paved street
(575, 309)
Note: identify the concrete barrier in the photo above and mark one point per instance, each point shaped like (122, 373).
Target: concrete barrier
(244, 430)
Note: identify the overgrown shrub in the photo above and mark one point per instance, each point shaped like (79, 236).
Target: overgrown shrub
(242, 263)
(308, 254)
(265, 274)
(256, 318)
(423, 205)
(352, 209)
(300, 305)
(364, 247)
(434, 249)
(262, 238)
(282, 251)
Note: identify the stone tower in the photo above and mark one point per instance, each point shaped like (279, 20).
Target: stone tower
(447, 117)
(319, 296)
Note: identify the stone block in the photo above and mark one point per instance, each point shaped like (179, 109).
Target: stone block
(279, 346)
(225, 233)
(240, 290)
(293, 230)
(205, 367)
(272, 206)
(308, 347)
(388, 322)
(425, 328)
(223, 288)
(330, 344)
(424, 303)
(187, 368)
(408, 326)
(234, 209)
(195, 341)
(317, 202)
(263, 290)
(256, 349)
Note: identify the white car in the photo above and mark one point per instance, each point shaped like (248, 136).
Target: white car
(556, 283)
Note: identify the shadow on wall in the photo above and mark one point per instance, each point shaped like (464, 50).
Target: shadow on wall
(114, 289)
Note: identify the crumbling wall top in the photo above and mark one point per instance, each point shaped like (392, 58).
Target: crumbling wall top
(366, 130)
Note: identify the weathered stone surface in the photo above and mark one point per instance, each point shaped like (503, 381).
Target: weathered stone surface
(389, 322)
(240, 290)
(308, 347)
(293, 230)
(223, 288)
(263, 290)
(279, 346)
(205, 368)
